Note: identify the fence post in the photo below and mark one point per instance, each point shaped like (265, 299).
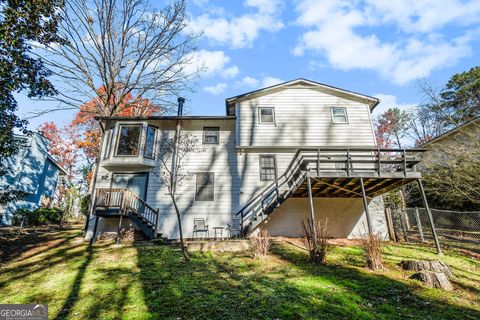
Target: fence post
(388, 218)
(419, 225)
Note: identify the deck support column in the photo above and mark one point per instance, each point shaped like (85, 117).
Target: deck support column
(429, 215)
(94, 236)
(419, 225)
(365, 206)
(312, 211)
(117, 238)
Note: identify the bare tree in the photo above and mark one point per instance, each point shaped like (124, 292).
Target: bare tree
(170, 169)
(121, 53)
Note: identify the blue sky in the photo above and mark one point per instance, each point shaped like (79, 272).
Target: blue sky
(375, 47)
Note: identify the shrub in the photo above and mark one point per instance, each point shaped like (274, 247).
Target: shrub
(372, 250)
(38, 217)
(317, 246)
(85, 204)
(260, 244)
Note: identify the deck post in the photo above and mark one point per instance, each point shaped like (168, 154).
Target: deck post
(312, 212)
(117, 238)
(429, 215)
(365, 206)
(419, 225)
(94, 236)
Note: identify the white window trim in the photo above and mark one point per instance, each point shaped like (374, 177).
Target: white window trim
(260, 115)
(333, 117)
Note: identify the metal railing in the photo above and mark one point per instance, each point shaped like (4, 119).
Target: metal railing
(125, 201)
(339, 162)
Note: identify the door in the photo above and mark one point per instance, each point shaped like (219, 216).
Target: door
(136, 182)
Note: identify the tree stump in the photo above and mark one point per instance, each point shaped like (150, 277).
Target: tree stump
(426, 265)
(433, 279)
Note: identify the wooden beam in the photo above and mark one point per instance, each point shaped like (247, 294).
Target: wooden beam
(343, 185)
(365, 205)
(340, 188)
(430, 218)
(312, 211)
(94, 236)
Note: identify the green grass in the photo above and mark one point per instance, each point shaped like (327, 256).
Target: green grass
(153, 282)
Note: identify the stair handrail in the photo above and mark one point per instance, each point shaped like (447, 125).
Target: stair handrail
(149, 213)
(126, 202)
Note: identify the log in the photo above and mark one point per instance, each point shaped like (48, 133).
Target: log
(433, 279)
(427, 265)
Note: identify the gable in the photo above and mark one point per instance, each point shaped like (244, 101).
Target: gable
(301, 84)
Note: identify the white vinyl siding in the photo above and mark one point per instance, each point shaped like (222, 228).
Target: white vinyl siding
(303, 118)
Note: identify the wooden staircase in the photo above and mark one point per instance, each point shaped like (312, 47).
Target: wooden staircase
(338, 172)
(125, 203)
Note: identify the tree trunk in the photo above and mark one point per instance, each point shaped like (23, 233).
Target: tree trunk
(182, 244)
(433, 279)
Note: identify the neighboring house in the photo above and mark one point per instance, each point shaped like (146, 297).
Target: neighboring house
(460, 139)
(33, 172)
(259, 161)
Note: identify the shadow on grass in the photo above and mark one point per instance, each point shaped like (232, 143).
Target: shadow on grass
(226, 286)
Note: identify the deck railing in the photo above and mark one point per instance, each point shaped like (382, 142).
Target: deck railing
(341, 162)
(125, 201)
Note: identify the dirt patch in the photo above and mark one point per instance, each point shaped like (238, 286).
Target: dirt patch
(300, 243)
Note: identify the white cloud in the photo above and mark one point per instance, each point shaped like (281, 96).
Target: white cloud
(346, 35)
(211, 63)
(216, 89)
(270, 81)
(388, 101)
(248, 82)
(239, 31)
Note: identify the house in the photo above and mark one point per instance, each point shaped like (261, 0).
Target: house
(31, 171)
(278, 156)
(463, 137)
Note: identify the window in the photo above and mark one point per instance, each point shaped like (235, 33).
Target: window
(149, 151)
(339, 115)
(129, 140)
(204, 191)
(267, 115)
(210, 135)
(267, 168)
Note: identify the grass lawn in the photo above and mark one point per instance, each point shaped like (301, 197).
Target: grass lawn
(111, 281)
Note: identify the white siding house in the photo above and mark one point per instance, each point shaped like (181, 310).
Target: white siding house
(270, 144)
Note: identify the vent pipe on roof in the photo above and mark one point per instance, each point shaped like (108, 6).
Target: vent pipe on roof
(181, 101)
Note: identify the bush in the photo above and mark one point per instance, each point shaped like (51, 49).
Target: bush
(317, 246)
(372, 251)
(38, 217)
(260, 244)
(85, 204)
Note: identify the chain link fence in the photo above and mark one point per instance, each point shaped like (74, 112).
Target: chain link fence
(455, 229)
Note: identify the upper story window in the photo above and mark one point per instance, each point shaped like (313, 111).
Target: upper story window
(204, 186)
(149, 151)
(211, 135)
(339, 115)
(128, 143)
(266, 115)
(267, 168)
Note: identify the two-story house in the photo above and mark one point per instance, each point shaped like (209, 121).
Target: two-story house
(31, 171)
(280, 155)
